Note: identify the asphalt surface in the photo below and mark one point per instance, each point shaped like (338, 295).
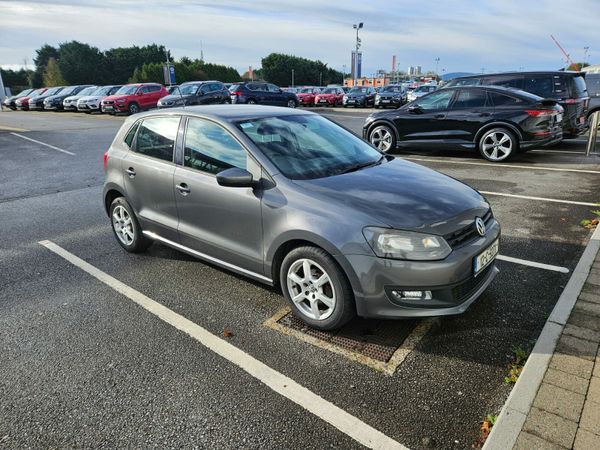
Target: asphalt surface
(83, 366)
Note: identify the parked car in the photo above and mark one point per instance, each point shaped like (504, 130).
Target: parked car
(9, 102)
(391, 95)
(259, 92)
(420, 92)
(22, 103)
(592, 80)
(196, 93)
(133, 98)
(306, 95)
(37, 103)
(55, 102)
(70, 102)
(93, 102)
(497, 121)
(359, 96)
(331, 96)
(568, 88)
(254, 195)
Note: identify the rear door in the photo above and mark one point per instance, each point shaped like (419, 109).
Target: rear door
(148, 175)
(469, 110)
(274, 95)
(222, 222)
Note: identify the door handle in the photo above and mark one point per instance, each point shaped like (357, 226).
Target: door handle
(183, 188)
(439, 116)
(485, 114)
(131, 172)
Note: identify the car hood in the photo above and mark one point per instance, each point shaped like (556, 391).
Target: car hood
(92, 97)
(390, 94)
(354, 95)
(116, 97)
(403, 195)
(305, 94)
(326, 95)
(173, 98)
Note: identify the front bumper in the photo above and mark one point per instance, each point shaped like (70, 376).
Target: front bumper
(452, 282)
(36, 106)
(355, 102)
(384, 102)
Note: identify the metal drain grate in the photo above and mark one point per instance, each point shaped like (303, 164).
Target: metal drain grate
(375, 339)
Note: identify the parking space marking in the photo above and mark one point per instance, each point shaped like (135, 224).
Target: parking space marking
(388, 368)
(509, 166)
(541, 199)
(538, 265)
(325, 410)
(43, 143)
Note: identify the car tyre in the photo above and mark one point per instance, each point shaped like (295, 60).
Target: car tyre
(251, 102)
(325, 292)
(134, 108)
(291, 103)
(498, 144)
(126, 227)
(383, 137)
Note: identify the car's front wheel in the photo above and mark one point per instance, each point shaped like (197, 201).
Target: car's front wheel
(497, 144)
(134, 108)
(316, 288)
(291, 103)
(126, 227)
(383, 137)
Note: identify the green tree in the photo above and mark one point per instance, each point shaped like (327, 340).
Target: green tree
(52, 75)
(16, 79)
(80, 63)
(277, 69)
(121, 62)
(43, 54)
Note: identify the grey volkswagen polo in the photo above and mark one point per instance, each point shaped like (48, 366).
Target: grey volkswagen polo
(291, 199)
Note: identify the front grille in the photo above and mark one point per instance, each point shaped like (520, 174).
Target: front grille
(468, 233)
(108, 102)
(463, 291)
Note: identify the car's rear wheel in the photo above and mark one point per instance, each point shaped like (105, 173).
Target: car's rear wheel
(497, 144)
(251, 101)
(316, 288)
(383, 137)
(291, 103)
(126, 227)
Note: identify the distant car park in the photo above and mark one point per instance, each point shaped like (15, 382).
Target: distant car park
(196, 93)
(261, 93)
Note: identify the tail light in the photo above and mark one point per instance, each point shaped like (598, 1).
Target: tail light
(540, 112)
(105, 159)
(570, 101)
(236, 93)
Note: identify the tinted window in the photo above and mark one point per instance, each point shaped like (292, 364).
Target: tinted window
(216, 87)
(463, 82)
(205, 88)
(512, 81)
(436, 100)
(272, 88)
(210, 148)
(112, 90)
(156, 137)
(579, 87)
(127, 90)
(503, 100)
(153, 88)
(471, 98)
(542, 85)
(131, 134)
(593, 84)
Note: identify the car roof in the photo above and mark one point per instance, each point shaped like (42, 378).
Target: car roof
(229, 113)
(533, 72)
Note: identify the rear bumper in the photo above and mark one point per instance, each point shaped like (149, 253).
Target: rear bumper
(545, 141)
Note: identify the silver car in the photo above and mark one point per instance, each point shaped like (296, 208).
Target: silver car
(291, 199)
(93, 102)
(70, 103)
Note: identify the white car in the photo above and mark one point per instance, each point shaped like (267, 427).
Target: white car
(70, 103)
(420, 92)
(93, 102)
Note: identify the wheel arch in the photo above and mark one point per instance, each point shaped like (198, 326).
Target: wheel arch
(488, 126)
(387, 122)
(111, 193)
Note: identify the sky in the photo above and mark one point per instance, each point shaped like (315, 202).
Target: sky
(466, 35)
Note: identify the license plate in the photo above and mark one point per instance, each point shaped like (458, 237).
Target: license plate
(351, 101)
(322, 101)
(482, 260)
(108, 108)
(385, 101)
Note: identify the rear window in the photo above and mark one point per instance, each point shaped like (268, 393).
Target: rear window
(540, 85)
(579, 87)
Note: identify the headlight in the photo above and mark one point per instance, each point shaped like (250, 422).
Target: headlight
(345, 97)
(397, 244)
(378, 97)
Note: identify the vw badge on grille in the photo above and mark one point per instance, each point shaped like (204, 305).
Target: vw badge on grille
(480, 226)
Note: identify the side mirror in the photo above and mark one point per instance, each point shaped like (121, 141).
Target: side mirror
(235, 177)
(139, 93)
(415, 109)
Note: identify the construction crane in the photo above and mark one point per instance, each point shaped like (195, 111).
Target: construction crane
(571, 63)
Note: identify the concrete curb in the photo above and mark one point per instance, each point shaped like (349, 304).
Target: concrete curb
(512, 417)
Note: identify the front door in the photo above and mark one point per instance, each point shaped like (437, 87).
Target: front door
(469, 111)
(221, 222)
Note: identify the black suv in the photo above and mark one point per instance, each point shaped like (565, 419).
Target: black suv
(260, 92)
(196, 93)
(568, 88)
(593, 87)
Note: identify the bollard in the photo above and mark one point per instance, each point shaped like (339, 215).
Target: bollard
(594, 123)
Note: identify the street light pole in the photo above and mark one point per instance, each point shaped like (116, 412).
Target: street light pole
(437, 62)
(343, 73)
(356, 27)
(292, 77)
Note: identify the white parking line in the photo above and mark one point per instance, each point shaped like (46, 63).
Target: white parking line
(541, 199)
(538, 265)
(325, 410)
(44, 144)
(510, 166)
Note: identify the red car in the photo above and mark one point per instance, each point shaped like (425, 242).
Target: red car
(306, 96)
(133, 98)
(22, 103)
(330, 96)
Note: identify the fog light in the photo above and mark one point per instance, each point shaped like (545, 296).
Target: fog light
(412, 295)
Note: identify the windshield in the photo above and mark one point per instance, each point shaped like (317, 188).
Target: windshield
(36, 93)
(69, 91)
(88, 91)
(330, 91)
(306, 91)
(392, 89)
(306, 147)
(358, 90)
(53, 91)
(187, 89)
(102, 91)
(23, 93)
(126, 90)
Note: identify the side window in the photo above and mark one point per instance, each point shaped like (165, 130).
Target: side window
(470, 98)
(503, 100)
(436, 100)
(131, 134)
(154, 88)
(210, 148)
(144, 89)
(515, 81)
(216, 87)
(205, 88)
(542, 85)
(272, 88)
(113, 90)
(252, 86)
(465, 82)
(156, 137)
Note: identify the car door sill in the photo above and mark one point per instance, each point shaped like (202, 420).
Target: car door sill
(208, 258)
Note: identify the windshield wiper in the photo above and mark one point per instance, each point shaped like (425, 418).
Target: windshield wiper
(362, 165)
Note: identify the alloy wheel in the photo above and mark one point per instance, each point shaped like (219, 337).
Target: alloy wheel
(497, 145)
(382, 138)
(123, 225)
(311, 289)
(291, 104)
